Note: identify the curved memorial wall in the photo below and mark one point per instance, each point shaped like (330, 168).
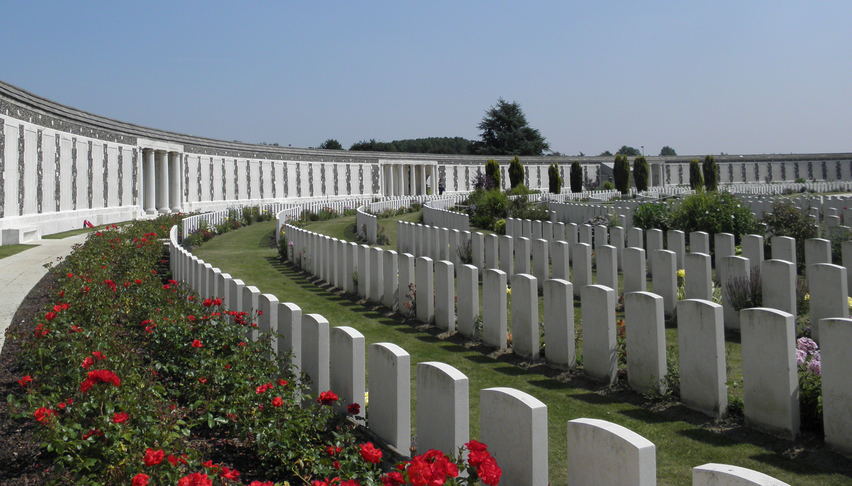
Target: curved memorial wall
(60, 166)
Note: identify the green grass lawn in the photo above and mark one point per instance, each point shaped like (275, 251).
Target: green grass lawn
(9, 250)
(247, 254)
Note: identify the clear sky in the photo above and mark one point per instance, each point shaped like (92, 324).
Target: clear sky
(739, 77)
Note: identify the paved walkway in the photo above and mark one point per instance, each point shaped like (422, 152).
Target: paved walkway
(21, 272)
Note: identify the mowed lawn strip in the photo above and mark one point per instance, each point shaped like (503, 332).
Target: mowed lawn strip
(246, 254)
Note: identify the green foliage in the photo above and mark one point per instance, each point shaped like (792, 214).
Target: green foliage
(492, 170)
(641, 172)
(607, 186)
(330, 144)
(667, 152)
(652, 216)
(520, 190)
(605, 153)
(485, 207)
(713, 212)
(576, 177)
(500, 226)
(745, 292)
(788, 220)
(432, 145)
(621, 173)
(696, 180)
(523, 209)
(505, 131)
(516, 172)
(628, 151)
(554, 179)
(711, 173)
(837, 236)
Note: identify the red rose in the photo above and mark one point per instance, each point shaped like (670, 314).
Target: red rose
(229, 473)
(87, 363)
(98, 355)
(99, 376)
(277, 402)
(489, 472)
(195, 479)
(370, 453)
(354, 408)
(197, 344)
(140, 480)
(120, 417)
(23, 381)
(282, 382)
(43, 414)
(208, 302)
(152, 457)
(394, 478)
(327, 397)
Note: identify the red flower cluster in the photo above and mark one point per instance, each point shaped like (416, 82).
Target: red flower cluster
(41, 331)
(152, 457)
(120, 417)
(195, 479)
(140, 480)
(43, 415)
(327, 398)
(354, 408)
(484, 462)
(277, 402)
(370, 453)
(197, 344)
(175, 460)
(263, 388)
(99, 376)
(23, 381)
(111, 284)
(93, 432)
(90, 360)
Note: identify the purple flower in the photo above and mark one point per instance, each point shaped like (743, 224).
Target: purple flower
(814, 366)
(806, 344)
(801, 357)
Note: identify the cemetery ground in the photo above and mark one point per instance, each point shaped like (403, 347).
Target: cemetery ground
(684, 439)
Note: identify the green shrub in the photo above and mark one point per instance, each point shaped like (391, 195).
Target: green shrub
(696, 180)
(554, 179)
(652, 216)
(486, 207)
(576, 177)
(713, 212)
(492, 170)
(621, 173)
(641, 173)
(500, 226)
(711, 173)
(837, 236)
(788, 220)
(607, 186)
(516, 172)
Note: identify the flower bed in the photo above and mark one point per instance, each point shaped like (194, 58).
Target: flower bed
(127, 369)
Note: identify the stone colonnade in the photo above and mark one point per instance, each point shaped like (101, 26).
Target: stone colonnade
(408, 178)
(162, 181)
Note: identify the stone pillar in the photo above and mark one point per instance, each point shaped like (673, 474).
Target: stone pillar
(406, 283)
(422, 171)
(525, 336)
(316, 352)
(412, 180)
(149, 185)
(619, 455)
(424, 301)
(390, 387)
(468, 300)
(541, 261)
(645, 338)
(445, 293)
(582, 274)
(635, 279)
(778, 285)
(162, 182)
(701, 346)
(559, 323)
(507, 259)
(443, 408)
(770, 375)
(607, 266)
(514, 425)
(836, 391)
(175, 196)
(697, 280)
(829, 295)
(597, 305)
(494, 325)
(347, 367)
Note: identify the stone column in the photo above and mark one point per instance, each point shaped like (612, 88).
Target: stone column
(412, 180)
(162, 182)
(175, 179)
(422, 179)
(149, 182)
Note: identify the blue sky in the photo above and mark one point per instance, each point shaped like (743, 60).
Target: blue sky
(738, 77)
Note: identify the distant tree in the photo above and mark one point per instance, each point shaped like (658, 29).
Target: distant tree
(667, 152)
(331, 144)
(433, 145)
(576, 177)
(492, 170)
(695, 178)
(605, 154)
(554, 179)
(505, 131)
(516, 172)
(629, 151)
(709, 169)
(621, 173)
(641, 173)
